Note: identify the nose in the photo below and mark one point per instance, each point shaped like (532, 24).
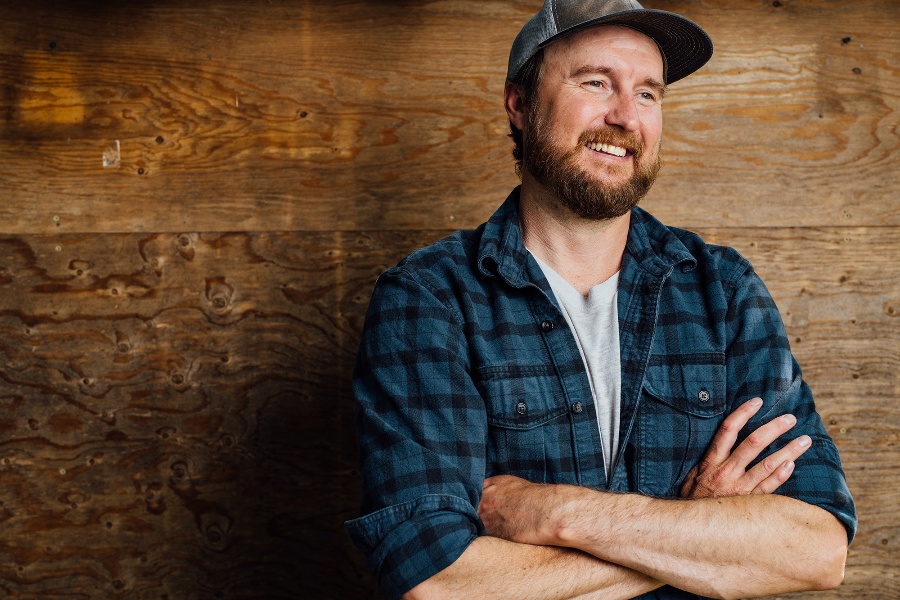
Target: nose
(623, 112)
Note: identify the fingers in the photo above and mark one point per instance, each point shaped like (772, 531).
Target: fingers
(724, 469)
(726, 436)
(502, 480)
(774, 481)
(757, 441)
(775, 469)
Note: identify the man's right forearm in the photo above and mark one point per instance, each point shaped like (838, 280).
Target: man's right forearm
(495, 568)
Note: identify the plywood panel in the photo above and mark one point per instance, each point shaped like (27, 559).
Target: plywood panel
(365, 115)
(176, 416)
(197, 199)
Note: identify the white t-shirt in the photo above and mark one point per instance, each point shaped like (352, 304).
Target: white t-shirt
(594, 320)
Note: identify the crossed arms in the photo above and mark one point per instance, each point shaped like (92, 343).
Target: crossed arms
(432, 527)
(727, 537)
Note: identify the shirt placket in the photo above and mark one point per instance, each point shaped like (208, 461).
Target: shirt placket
(586, 450)
(638, 314)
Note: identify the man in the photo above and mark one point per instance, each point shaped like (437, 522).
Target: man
(575, 401)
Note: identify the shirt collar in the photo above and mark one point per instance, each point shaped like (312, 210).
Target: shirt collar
(652, 245)
(502, 251)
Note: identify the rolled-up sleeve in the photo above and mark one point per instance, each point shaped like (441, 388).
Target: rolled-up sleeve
(422, 432)
(760, 363)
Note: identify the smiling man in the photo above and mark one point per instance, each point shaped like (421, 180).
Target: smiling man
(574, 400)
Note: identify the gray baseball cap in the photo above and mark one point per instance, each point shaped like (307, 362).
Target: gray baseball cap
(685, 47)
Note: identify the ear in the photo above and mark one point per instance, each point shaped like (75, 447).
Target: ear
(516, 106)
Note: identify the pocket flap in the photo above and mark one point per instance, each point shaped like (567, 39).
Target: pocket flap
(521, 398)
(690, 383)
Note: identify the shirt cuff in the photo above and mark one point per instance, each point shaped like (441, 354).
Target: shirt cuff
(407, 543)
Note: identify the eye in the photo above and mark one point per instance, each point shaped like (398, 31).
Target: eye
(648, 98)
(596, 84)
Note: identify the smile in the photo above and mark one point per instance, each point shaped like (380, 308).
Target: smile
(607, 149)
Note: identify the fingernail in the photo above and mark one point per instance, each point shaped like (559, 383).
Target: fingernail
(756, 402)
(787, 466)
(789, 419)
(804, 441)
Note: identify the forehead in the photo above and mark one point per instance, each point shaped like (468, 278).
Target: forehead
(610, 46)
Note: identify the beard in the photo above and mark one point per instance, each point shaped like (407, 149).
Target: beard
(577, 189)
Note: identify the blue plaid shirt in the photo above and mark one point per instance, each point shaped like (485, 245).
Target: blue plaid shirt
(467, 369)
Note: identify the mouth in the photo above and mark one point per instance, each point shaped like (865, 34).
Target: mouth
(607, 149)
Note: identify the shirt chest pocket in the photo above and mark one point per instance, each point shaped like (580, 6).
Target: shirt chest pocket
(529, 430)
(682, 405)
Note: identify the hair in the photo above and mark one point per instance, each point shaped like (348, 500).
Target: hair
(527, 80)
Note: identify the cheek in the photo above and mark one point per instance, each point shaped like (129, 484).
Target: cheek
(652, 131)
(572, 114)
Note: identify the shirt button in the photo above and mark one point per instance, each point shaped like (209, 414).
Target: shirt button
(521, 408)
(577, 408)
(547, 326)
(703, 396)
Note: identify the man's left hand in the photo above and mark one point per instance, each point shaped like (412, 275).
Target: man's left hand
(723, 470)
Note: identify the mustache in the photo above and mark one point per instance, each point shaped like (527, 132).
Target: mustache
(616, 137)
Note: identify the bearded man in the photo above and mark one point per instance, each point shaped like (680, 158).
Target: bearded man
(574, 400)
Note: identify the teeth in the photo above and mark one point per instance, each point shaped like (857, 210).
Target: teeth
(607, 148)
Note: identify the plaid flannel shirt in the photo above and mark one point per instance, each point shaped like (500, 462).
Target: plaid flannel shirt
(467, 369)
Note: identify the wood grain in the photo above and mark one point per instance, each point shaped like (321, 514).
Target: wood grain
(365, 115)
(197, 199)
(176, 414)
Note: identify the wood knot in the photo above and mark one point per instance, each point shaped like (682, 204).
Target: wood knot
(80, 266)
(153, 498)
(166, 432)
(180, 473)
(184, 244)
(215, 528)
(219, 295)
(123, 344)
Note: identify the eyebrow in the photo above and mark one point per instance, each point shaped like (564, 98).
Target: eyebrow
(596, 69)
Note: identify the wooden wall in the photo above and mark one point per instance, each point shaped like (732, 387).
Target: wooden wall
(196, 199)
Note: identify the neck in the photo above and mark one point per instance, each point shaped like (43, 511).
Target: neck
(584, 252)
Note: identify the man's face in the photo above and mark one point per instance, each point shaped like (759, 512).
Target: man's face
(593, 128)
